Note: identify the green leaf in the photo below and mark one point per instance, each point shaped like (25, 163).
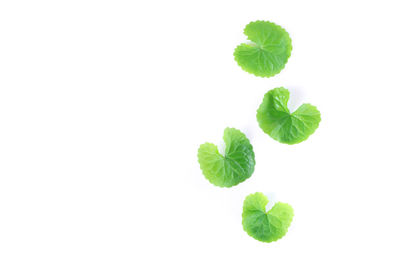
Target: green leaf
(265, 226)
(236, 166)
(275, 119)
(268, 51)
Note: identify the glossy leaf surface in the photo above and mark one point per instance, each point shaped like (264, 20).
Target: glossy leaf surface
(232, 168)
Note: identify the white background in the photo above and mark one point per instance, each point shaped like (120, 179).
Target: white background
(103, 105)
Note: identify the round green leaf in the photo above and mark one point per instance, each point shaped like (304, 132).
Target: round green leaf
(268, 51)
(275, 119)
(236, 166)
(265, 226)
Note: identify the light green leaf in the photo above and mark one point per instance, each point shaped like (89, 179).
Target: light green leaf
(275, 119)
(265, 226)
(236, 166)
(268, 51)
